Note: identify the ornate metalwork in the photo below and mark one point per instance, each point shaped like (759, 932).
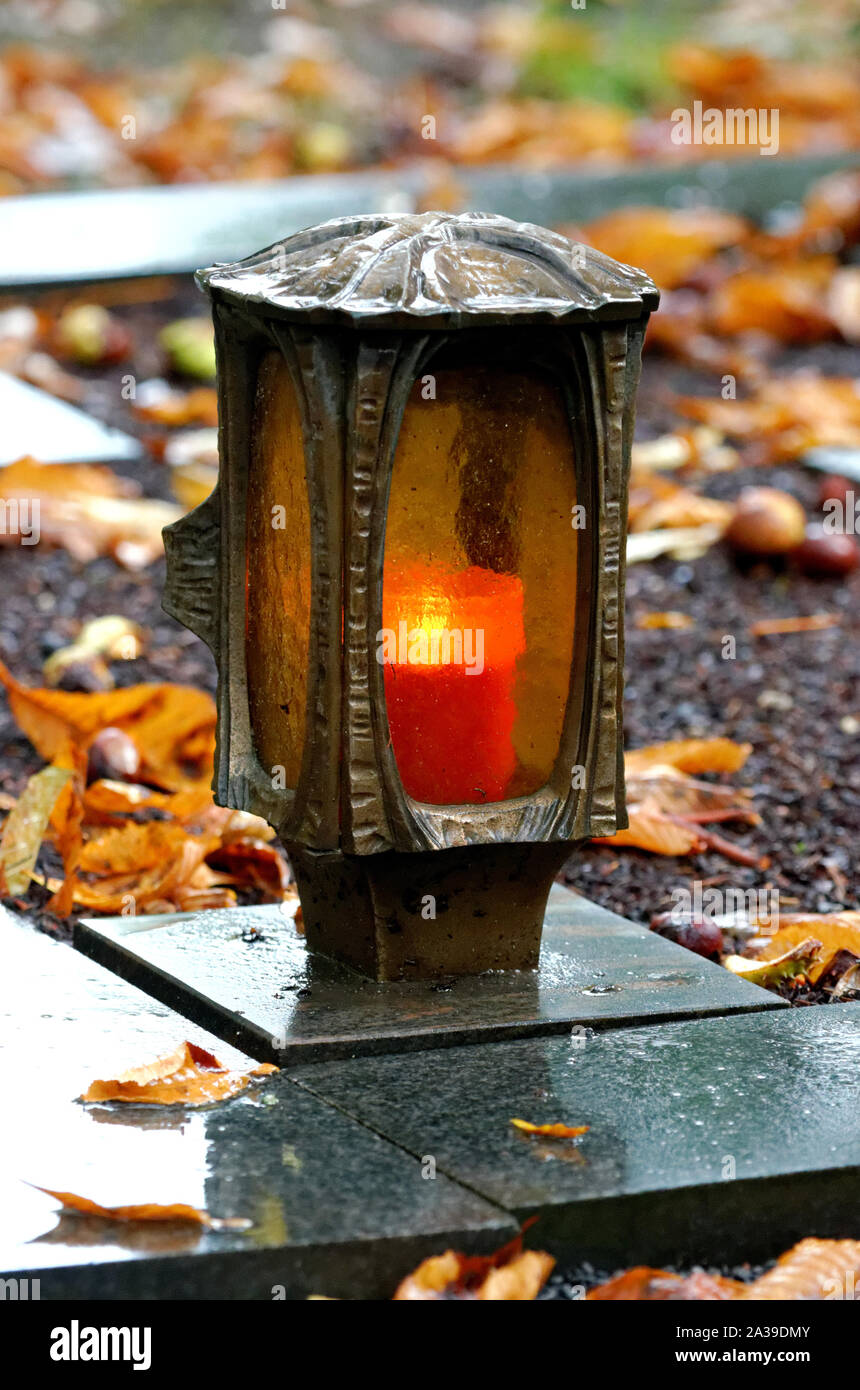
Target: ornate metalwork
(359, 308)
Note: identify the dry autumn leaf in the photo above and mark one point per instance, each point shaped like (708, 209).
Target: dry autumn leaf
(811, 1270)
(188, 1076)
(652, 831)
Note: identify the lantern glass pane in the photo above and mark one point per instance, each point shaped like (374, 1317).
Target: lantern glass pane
(278, 575)
(479, 585)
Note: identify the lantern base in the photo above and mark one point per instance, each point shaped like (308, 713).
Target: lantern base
(425, 916)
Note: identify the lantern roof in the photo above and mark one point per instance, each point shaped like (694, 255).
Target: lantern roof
(433, 270)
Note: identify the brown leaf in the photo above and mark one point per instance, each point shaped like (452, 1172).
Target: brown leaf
(254, 864)
(668, 244)
(817, 622)
(658, 1285)
(786, 301)
(788, 965)
(652, 831)
(149, 1211)
(188, 1076)
(813, 1269)
(693, 755)
(671, 621)
(26, 825)
(834, 931)
(82, 509)
(558, 1131)
(510, 1274)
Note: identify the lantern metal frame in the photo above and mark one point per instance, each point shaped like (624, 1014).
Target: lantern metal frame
(355, 334)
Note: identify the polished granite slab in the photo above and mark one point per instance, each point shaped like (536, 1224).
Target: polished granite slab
(711, 1140)
(244, 973)
(336, 1209)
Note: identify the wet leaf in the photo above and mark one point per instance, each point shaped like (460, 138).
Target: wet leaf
(813, 1269)
(668, 244)
(511, 1274)
(644, 1285)
(188, 1076)
(26, 825)
(798, 960)
(557, 1131)
(671, 621)
(651, 830)
(149, 1211)
(834, 931)
(84, 510)
(692, 755)
(114, 637)
(817, 622)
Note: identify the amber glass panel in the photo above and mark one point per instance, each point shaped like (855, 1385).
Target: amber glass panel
(479, 585)
(278, 581)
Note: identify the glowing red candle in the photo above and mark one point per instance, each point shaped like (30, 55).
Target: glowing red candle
(450, 645)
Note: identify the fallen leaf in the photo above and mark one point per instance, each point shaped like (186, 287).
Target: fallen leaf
(26, 825)
(644, 1285)
(558, 1131)
(188, 1076)
(785, 416)
(817, 622)
(798, 960)
(672, 621)
(692, 755)
(786, 300)
(835, 931)
(813, 1269)
(149, 1211)
(160, 404)
(113, 637)
(668, 244)
(682, 543)
(82, 509)
(511, 1274)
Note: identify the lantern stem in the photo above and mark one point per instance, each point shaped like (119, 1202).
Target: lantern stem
(427, 915)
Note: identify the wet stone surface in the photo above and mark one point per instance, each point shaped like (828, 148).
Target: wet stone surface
(246, 975)
(710, 1141)
(335, 1208)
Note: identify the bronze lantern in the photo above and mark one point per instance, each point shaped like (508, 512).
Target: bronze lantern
(411, 572)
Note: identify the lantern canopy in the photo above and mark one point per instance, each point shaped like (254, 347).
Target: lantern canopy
(411, 572)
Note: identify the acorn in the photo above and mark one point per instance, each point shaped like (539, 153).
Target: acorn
(828, 554)
(766, 522)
